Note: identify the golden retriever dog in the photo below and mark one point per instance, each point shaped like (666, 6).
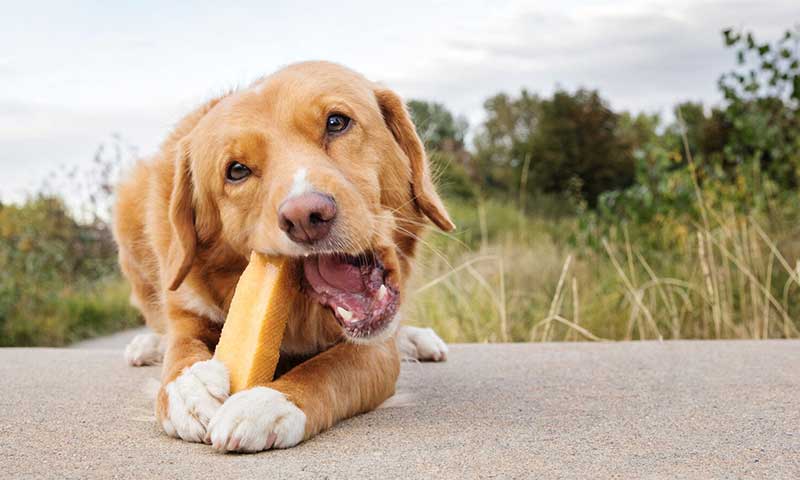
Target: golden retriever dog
(314, 163)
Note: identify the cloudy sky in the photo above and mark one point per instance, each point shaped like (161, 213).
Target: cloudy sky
(73, 73)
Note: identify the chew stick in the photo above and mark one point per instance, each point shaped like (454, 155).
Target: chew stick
(251, 338)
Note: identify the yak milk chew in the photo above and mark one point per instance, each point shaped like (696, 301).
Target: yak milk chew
(251, 337)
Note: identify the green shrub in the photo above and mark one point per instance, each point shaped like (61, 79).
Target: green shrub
(60, 281)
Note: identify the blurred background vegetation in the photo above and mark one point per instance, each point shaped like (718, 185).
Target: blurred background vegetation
(575, 221)
(60, 280)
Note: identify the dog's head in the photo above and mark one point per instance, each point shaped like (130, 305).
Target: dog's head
(317, 163)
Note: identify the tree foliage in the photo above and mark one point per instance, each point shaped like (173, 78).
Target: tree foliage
(762, 97)
(443, 134)
(438, 128)
(569, 142)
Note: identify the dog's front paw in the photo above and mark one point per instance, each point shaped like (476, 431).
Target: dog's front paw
(257, 419)
(417, 343)
(193, 398)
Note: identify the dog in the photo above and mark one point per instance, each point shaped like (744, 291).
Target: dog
(314, 163)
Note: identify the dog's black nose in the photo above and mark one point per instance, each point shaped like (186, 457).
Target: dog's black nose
(307, 218)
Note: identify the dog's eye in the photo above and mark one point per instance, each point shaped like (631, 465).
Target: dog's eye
(337, 123)
(237, 172)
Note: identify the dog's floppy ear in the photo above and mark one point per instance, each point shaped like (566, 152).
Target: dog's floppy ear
(399, 122)
(181, 217)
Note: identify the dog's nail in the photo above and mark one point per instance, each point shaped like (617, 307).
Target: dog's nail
(382, 292)
(271, 440)
(346, 315)
(233, 444)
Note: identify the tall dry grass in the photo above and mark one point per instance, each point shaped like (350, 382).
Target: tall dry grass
(509, 275)
(730, 281)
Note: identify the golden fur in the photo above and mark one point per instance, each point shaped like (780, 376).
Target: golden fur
(185, 234)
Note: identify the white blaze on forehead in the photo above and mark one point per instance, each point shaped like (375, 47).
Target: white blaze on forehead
(300, 183)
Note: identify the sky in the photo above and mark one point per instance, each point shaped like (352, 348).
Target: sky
(74, 73)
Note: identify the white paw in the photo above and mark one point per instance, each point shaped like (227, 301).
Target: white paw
(144, 349)
(194, 397)
(417, 343)
(257, 419)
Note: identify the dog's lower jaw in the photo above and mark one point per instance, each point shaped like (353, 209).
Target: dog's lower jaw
(356, 289)
(384, 334)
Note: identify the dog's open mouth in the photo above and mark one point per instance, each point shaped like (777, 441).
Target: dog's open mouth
(355, 289)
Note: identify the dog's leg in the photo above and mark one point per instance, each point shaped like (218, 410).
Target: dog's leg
(341, 382)
(147, 348)
(423, 344)
(193, 384)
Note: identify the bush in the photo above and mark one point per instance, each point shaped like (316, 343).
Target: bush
(60, 281)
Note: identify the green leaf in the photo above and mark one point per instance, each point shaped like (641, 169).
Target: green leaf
(731, 37)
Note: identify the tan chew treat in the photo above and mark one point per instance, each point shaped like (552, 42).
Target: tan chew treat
(251, 338)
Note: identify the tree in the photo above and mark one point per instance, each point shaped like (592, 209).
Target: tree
(503, 143)
(443, 135)
(570, 142)
(578, 140)
(437, 126)
(762, 105)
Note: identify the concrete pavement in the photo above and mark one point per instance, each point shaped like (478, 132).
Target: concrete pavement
(617, 410)
(110, 342)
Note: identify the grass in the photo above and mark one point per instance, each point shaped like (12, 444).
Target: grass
(72, 314)
(498, 290)
(508, 276)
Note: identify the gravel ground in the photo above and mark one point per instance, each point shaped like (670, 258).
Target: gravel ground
(617, 410)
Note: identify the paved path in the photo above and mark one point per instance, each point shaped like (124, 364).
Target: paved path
(620, 410)
(111, 342)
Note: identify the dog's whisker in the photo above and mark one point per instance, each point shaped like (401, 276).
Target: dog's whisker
(433, 249)
(426, 225)
(412, 199)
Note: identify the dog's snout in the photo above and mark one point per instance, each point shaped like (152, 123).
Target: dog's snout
(307, 218)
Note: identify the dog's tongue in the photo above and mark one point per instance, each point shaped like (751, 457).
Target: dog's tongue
(329, 273)
(357, 295)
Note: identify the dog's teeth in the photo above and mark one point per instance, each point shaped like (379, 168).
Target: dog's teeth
(382, 292)
(346, 315)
